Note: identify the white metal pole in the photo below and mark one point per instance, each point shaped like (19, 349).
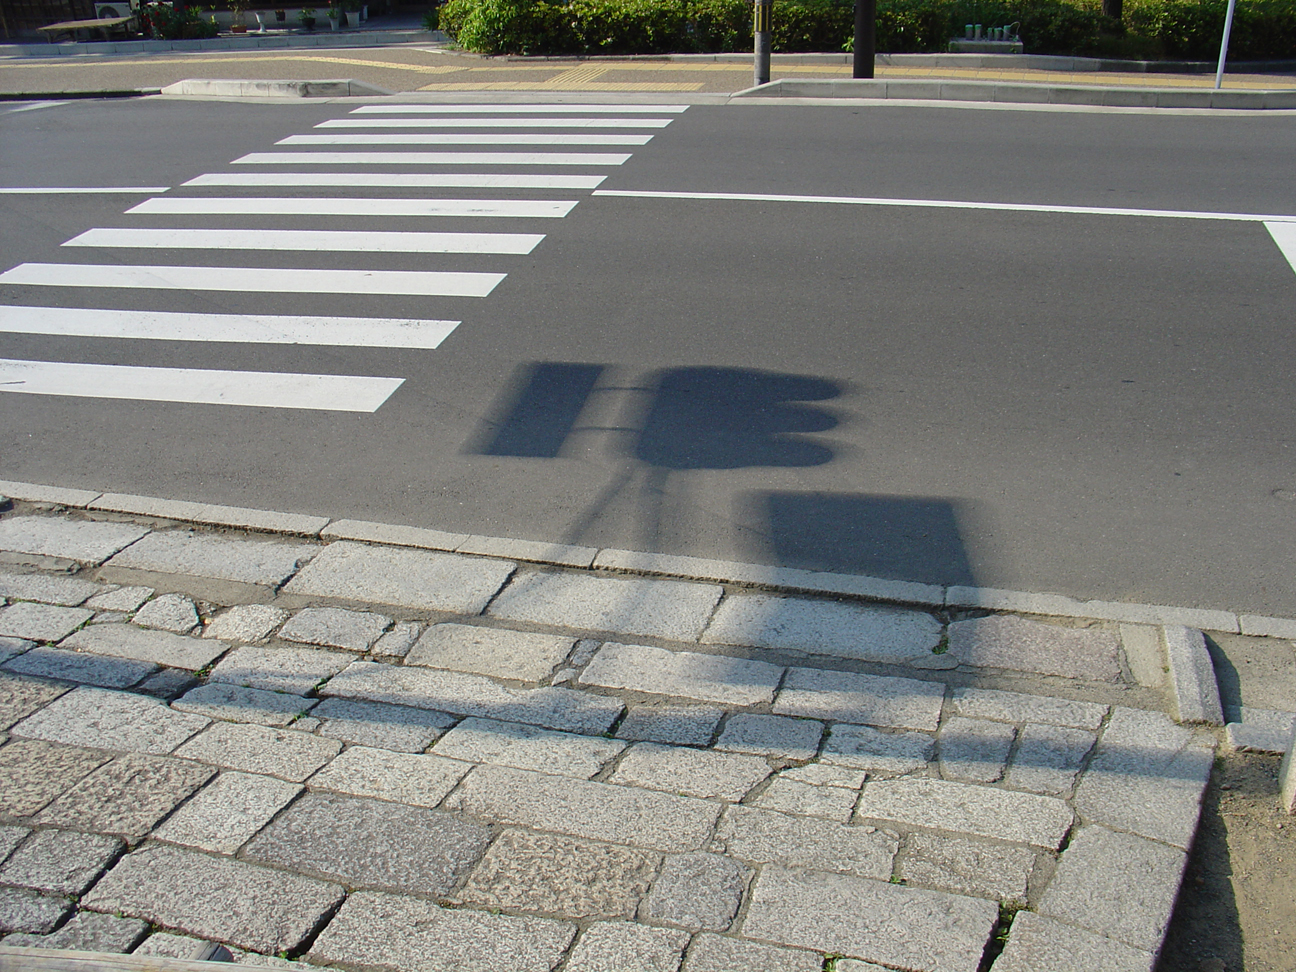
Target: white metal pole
(1228, 28)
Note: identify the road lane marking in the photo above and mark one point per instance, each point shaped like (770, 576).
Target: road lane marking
(398, 180)
(314, 206)
(353, 332)
(255, 279)
(433, 158)
(456, 121)
(558, 109)
(1284, 234)
(80, 190)
(459, 138)
(352, 241)
(333, 393)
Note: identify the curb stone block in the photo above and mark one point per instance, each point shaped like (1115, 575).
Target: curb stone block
(767, 837)
(380, 726)
(609, 946)
(1004, 641)
(266, 562)
(1192, 676)
(86, 541)
(1287, 777)
(60, 862)
(696, 891)
(139, 644)
(767, 735)
(233, 516)
(718, 953)
(1036, 942)
(102, 719)
(410, 778)
(41, 622)
(495, 652)
(690, 772)
(707, 678)
(528, 747)
(1260, 730)
(335, 628)
(261, 750)
(874, 700)
(228, 812)
(978, 703)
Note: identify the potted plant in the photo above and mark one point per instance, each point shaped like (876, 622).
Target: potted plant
(334, 14)
(307, 18)
(238, 23)
(281, 15)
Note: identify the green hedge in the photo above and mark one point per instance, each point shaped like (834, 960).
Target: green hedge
(1190, 29)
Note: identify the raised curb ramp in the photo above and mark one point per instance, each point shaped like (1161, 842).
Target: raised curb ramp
(214, 88)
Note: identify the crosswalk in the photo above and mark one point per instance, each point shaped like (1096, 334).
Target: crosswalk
(381, 163)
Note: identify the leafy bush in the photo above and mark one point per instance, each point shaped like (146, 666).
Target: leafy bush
(164, 21)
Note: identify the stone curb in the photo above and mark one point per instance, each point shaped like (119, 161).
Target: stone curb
(1287, 777)
(71, 95)
(226, 88)
(1192, 676)
(276, 41)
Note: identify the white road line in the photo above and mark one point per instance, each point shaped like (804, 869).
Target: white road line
(357, 332)
(458, 138)
(397, 180)
(532, 122)
(332, 240)
(295, 206)
(1284, 234)
(333, 393)
(80, 190)
(432, 158)
(948, 204)
(36, 105)
(255, 279)
(498, 109)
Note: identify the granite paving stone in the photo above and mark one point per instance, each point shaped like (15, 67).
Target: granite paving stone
(524, 871)
(404, 578)
(233, 703)
(20, 697)
(36, 772)
(873, 700)
(67, 591)
(622, 946)
(261, 750)
(170, 612)
(397, 642)
(654, 608)
(1118, 885)
(127, 796)
(12, 647)
(805, 799)
(226, 813)
(719, 953)
(415, 935)
(245, 623)
(979, 811)
(267, 562)
(111, 720)
(679, 725)
(139, 644)
(868, 632)
(88, 932)
(964, 866)
(403, 848)
(1048, 759)
(22, 910)
(475, 695)
(293, 670)
(87, 541)
(168, 684)
(693, 772)
(490, 651)
(855, 965)
(381, 726)
(11, 837)
(979, 703)
(110, 617)
(863, 747)
(910, 928)
(124, 600)
(696, 891)
(60, 861)
(1005, 641)
(1036, 942)
(768, 735)
(617, 814)
(767, 837)
(336, 628)
(528, 747)
(41, 622)
(707, 678)
(1259, 730)
(1194, 688)
(826, 774)
(407, 778)
(973, 750)
(73, 666)
(216, 898)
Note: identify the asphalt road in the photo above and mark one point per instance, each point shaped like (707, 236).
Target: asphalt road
(1098, 405)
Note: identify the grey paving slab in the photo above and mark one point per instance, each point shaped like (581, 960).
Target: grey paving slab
(380, 726)
(978, 703)
(139, 644)
(655, 608)
(626, 947)
(261, 750)
(123, 599)
(169, 612)
(767, 837)
(1147, 776)
(693, 772)
(407, 778)
(1144, 653)
(997, 871)
(1192, 676)
(36, 772)
(826, 774)
(68, 591)
(22, 910)
(216, 898)
(127, 796)
(524, 871)
(1004, 641)
(403, 848)
(88, 931)
(821, 627)
(866, 748)
(1048, 759)
(246, 623)
(20, 697)
(267, 562)
(228, 812)
(807, 800)
(111, 720)
(689, 674)
(41, 622)
(696, 891)
(900, 703)
(405, 578)
(293, 670)
(475, 695)
(978, 811)
(11, 837)
(768, 735)
(910, 928)
(415, 935)
(397, 642)
(1119, 885)
(336, 628)
(168, 684)
(56, 495)
(974, 750)
(528, 747)
(60, 861)
(617, 814)
(87, 541)
(1036, 942)
(11, 647)
(233, 703)
(497, 652)
(1249, 730)
(719, 953)
(679, 725)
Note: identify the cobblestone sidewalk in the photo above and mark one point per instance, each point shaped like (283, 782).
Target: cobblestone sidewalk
(327, 749)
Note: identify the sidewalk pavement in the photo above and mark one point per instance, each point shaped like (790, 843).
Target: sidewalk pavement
(345, 743)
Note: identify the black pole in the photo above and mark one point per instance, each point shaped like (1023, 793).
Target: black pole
(865, 38)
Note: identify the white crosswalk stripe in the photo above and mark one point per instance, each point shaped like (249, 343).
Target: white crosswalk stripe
(396, 180)
(573, 109)
(315, 206)
(433, 158)
(455, 121)
(460, 138)
(352, 241)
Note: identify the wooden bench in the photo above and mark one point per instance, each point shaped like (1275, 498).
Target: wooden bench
(104, 25)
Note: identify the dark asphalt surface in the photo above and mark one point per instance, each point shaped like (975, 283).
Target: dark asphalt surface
(1095, 405)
